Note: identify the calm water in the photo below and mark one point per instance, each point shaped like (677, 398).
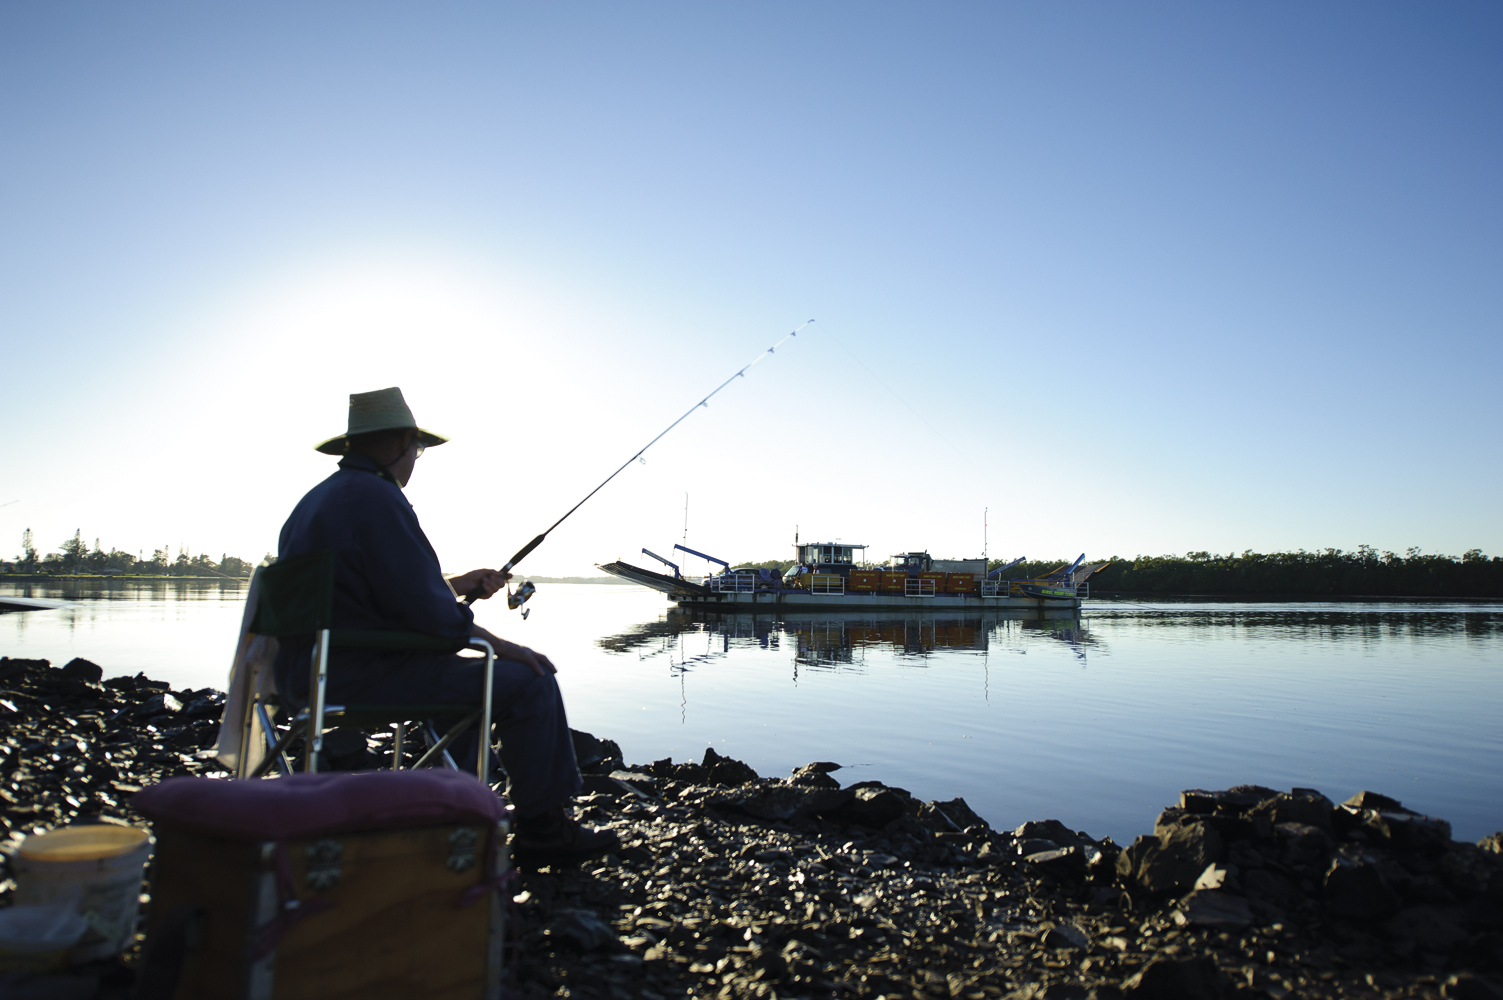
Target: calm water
(1096, 720)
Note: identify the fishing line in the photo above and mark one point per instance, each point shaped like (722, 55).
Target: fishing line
(522, 592)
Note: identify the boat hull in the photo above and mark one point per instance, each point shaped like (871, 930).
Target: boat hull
(795, 600)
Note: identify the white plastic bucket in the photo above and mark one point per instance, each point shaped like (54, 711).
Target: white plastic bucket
(38, 938)
(102, 865)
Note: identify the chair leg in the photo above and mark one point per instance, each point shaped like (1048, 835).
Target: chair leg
(242, 765)
(483, 749)
(396, 746)
(441, 746)
(267, 729)
(317, 688)
(298, 727)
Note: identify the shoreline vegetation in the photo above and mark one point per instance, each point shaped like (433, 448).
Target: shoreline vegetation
(1324, 574)
(74, 558)
(734, 885)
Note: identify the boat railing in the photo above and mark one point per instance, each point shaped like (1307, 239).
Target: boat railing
(1082, 591)
(821, 583)
(732, 583)
(915, 587)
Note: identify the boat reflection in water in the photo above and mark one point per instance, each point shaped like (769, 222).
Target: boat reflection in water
(842, 642)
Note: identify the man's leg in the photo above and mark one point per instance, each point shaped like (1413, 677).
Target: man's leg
(527, 712)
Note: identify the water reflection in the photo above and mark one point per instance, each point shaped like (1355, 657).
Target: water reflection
(125, 589)
(1369, 624)
(842, 642)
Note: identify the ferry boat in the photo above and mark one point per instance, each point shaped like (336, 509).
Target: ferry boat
(836, 574)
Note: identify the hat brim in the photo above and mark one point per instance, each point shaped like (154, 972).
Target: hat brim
(341, 444)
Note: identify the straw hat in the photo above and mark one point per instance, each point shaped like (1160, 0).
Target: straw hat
(382, 410)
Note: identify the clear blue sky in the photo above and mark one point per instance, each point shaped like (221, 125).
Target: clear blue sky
(1158, 277)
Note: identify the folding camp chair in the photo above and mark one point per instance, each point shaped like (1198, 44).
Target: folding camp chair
(297, 598)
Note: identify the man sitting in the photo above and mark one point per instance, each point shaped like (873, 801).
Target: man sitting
(387, 576)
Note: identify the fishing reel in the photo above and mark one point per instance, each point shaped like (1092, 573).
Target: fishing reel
(516, 598)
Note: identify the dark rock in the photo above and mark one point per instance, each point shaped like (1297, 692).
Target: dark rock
(595, 756)
(1357, 890)
(1372, 800)
(992, 855)
(1218, 877)
(1304, 844)
(159, 704)
(206, 707)
(1216, 909)
(1051, 830)
(582, 929)
(1271, 893)
(1302, 805)
(1171, 979)
(1236, 799)
(869, 806)
(345, 749)
(1035, 845)
(1169, 863)
(1467, 986)
(1066, 936)
(1062, 863)
(80, 669)
(16, 667)
(1428, 927)
(815, 775)
(725, 771)
(604, 784)
(782, 802)
(1407, 831)
(637, 779)
(959, 813)
(1101, 863)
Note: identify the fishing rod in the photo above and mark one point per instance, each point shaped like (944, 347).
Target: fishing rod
(526, 590)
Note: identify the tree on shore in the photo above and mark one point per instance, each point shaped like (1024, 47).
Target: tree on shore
(1328, 572)
(74, 556)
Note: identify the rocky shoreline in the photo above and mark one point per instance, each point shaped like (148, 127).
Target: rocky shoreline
(732, 885)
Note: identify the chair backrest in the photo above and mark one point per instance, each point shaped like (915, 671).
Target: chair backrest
(297, 595)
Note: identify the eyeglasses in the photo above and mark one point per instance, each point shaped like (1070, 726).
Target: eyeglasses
(420, 449)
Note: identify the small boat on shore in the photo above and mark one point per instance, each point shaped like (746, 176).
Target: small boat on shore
(835, 574)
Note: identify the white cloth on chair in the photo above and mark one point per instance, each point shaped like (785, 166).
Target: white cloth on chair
(250, 679)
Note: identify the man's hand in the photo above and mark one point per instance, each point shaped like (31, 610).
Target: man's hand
(480, 584)
(539, 663)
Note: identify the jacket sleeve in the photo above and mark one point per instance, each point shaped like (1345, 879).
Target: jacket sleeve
(406, 585)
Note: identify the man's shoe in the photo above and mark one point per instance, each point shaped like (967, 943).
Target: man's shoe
(556, 834)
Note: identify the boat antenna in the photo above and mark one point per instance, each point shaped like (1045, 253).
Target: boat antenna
(524, 550)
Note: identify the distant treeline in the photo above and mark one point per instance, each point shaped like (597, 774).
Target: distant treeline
(1365, 572)
(75, 557)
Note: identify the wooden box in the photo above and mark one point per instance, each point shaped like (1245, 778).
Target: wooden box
(401, 913)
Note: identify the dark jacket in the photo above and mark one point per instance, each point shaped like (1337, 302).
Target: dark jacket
(386, 576)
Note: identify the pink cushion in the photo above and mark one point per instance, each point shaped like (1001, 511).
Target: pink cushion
(312, 805)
